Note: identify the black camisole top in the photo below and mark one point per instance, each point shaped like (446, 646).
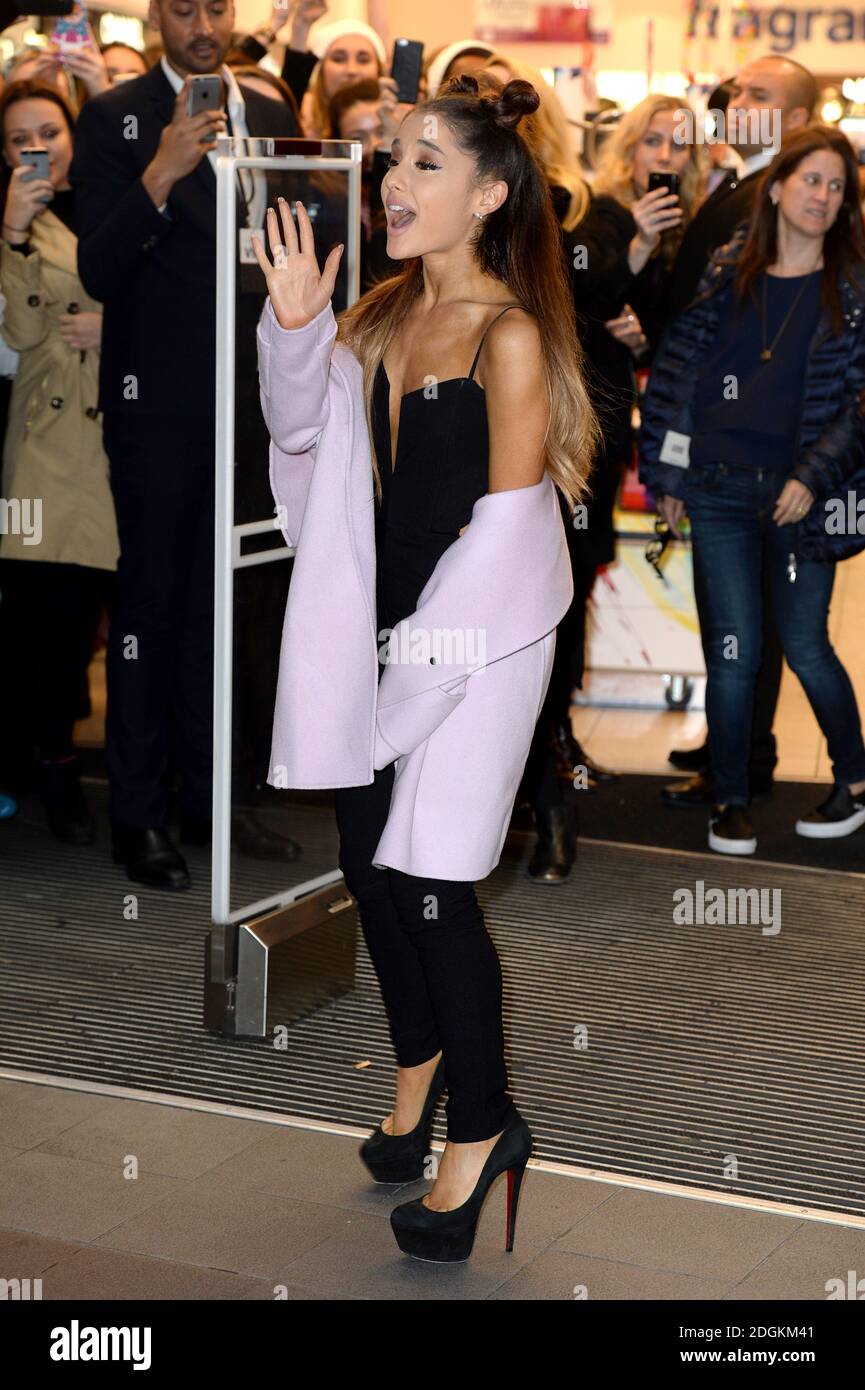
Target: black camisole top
(428, 492)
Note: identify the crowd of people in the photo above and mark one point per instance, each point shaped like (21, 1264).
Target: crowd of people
(751, 267)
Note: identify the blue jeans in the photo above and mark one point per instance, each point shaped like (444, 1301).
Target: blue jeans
(730, 511)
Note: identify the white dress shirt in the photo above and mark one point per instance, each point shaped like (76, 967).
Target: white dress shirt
(752, 162)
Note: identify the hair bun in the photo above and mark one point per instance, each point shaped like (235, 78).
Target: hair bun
(518, 99)
(505, 105)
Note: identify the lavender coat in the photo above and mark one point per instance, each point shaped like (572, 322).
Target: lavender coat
(457, 727)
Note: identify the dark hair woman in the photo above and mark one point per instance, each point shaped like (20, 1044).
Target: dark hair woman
(458, 383)
(54, 585)
(754, 442)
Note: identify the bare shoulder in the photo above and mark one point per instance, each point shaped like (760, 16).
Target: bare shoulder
(514, 380)
(512, 351)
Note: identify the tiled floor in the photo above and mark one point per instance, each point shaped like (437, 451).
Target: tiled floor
(228, 1208)
(109, 1198)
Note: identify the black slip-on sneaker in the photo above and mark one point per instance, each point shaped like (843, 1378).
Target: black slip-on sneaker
(731, 831)
(840, 814)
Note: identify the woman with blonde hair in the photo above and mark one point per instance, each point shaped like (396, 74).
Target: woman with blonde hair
(420, 492)
(648, 137)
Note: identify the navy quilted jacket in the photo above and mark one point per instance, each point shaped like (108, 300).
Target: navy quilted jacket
(830, 452)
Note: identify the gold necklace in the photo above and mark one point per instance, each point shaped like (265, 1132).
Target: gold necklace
(768, 349)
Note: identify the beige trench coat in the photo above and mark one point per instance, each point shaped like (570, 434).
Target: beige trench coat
(53, 449)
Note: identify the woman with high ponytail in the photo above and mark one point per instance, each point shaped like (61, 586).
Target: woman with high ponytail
(420, 446)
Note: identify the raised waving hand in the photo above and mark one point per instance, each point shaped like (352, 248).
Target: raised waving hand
(298, 289)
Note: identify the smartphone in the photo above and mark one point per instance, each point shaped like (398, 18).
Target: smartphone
(406, 69)
(72, 32)
(205, 94)
(659, 179)
(37, 158)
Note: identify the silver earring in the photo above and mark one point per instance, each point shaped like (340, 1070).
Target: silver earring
(480, 216)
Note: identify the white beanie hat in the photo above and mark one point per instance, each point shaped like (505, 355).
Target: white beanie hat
(440, 64)
(323, 35)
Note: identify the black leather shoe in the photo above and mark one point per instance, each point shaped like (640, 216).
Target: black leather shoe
(572, 761)
(693, 791)
(447, 1237)
(556, 847)
(396, 1158)
(699, 791)
(65, 805)
(690, 759)
(251, 836)
(149, 857)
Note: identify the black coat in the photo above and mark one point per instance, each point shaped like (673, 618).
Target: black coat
(156, 275)
(729, 204)
(601, 290)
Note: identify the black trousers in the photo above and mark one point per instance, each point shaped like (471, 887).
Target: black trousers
(160, 649)
(436, 964)
(50, 614)
(540, 784)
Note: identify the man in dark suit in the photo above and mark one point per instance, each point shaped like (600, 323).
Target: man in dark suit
(769, 98)
(144, 177)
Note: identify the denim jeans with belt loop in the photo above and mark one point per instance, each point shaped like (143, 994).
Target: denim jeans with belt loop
(730, 510)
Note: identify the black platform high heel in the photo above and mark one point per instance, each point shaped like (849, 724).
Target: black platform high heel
(394, 1158)
(446, 1237)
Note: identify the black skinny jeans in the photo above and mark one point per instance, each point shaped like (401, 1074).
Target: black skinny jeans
(436, 964)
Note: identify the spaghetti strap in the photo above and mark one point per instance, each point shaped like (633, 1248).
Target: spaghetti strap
(485, 332)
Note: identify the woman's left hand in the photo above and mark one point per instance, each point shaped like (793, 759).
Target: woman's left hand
(795, 501)
(82, 331)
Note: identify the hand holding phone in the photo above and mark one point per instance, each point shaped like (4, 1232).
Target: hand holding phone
(183, 143)
(30, 190)
(86, 63)
(390, 111)
(657, 211)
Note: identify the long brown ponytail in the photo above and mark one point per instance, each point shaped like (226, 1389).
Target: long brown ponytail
(519, 244)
